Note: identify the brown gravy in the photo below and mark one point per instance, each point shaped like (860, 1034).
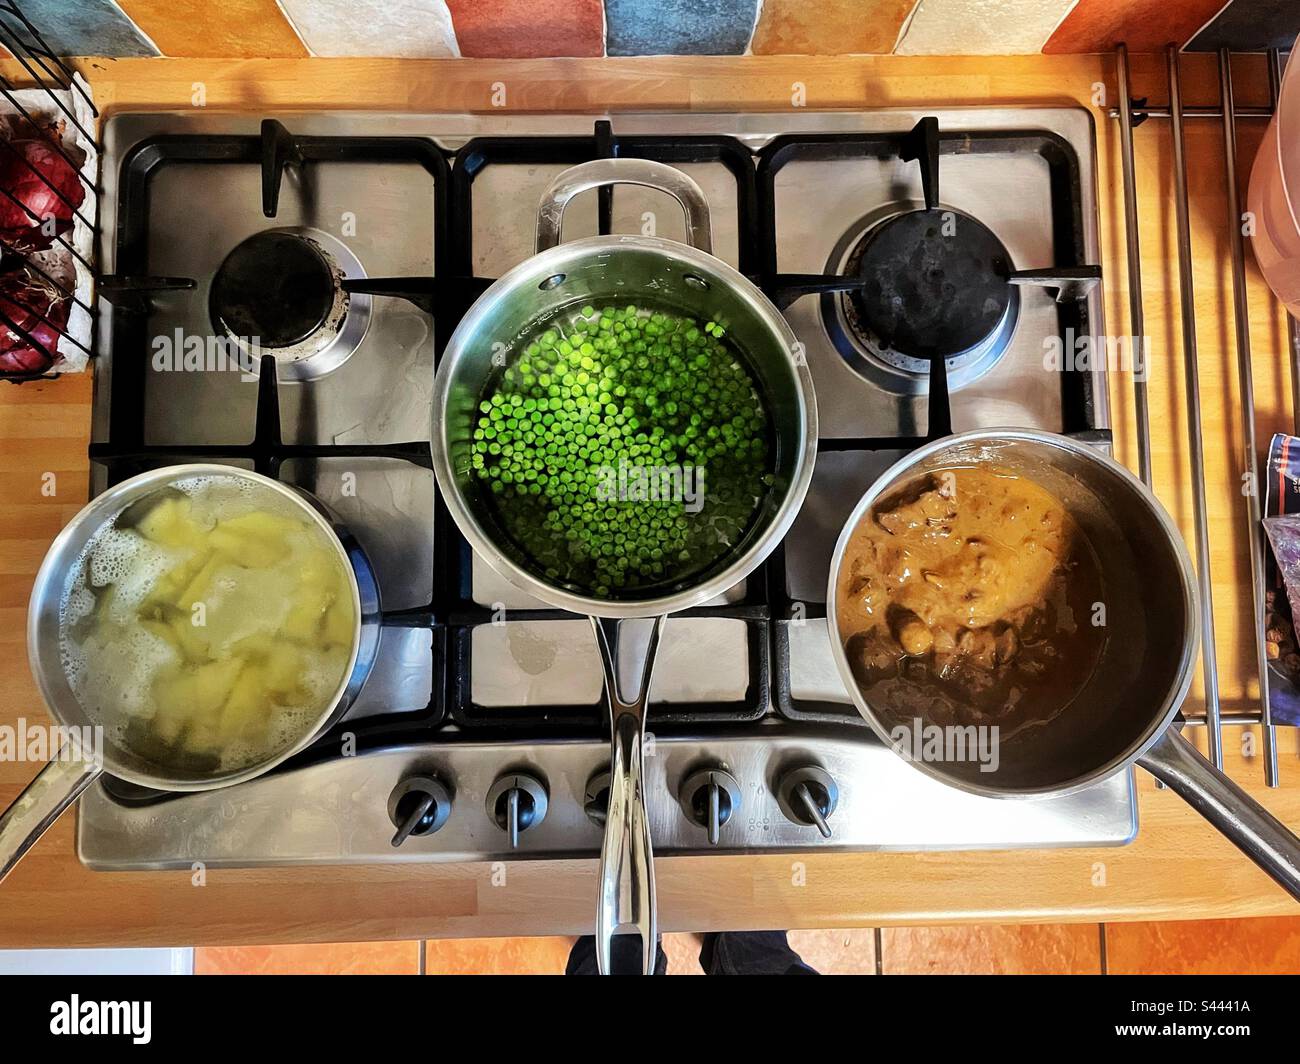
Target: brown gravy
(967, 597)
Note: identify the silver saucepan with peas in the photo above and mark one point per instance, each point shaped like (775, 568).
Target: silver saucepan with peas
(624, 427)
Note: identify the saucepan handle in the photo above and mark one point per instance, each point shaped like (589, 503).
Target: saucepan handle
(55, 788)
(599, 172)
(1252, 828)
(626, 897)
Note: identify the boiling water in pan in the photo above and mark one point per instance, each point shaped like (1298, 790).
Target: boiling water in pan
(206, 624)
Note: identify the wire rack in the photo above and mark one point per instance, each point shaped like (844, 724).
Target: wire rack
(50, 88)
(1228, 114)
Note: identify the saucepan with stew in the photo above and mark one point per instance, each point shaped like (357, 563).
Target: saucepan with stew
(1021, 591)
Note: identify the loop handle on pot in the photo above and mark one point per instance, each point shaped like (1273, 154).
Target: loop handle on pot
(626, 896)
(599, 172)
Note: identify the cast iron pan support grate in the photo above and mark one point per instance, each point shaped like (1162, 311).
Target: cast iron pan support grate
(125, 451)
(452, 614)
(267, 452)
(921, 145)
(924, 143)
(279, 149)
(462, 613)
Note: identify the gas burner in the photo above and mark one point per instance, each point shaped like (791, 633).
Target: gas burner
(935, 284)
(280, 293)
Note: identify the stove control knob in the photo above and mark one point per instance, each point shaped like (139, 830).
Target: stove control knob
(595, 798)
(808, 796)
(419, 805)
(515, 803)
(710, 798)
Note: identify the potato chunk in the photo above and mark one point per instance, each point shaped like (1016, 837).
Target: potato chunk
(339, 626)
(201, 585)
(239, 614)
(195, 690)
(170, 524)
(247, 710)
(307, 613)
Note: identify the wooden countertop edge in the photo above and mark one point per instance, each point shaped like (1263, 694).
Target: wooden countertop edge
(365, 903)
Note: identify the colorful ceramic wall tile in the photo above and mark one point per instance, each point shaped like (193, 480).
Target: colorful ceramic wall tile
(1142, 25)
(232, 29)
(679, 27)
(1250, 26)
(414, 29)
(982, 27)
(829, 27)
(508, 29)
(80, 27)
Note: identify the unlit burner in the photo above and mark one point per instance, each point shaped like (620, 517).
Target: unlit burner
(934, 286)
(280, 293)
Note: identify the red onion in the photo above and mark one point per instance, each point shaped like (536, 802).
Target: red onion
(23, 297)
(19, 229)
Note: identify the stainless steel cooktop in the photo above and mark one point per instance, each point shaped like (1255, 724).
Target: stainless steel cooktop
(479, 686)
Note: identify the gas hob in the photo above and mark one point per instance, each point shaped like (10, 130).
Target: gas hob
(479, 690)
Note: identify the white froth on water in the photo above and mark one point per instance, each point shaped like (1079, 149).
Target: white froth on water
(111, 661)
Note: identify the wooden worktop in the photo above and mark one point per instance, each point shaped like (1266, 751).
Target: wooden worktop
(1177, 868)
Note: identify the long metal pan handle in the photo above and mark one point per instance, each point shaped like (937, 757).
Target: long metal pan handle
(1252, 828)
(626, 897)
(43, 801)
(599, 172)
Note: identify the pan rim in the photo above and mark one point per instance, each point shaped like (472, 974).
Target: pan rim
(485, 545)
(1174, 697)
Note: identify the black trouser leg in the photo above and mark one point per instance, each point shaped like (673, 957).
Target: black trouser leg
(750, 953)
(624, 955)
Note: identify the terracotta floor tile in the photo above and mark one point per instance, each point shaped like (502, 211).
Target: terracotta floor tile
(847, 952)
(1268, 945)
(831, 952)
(1028, 949)
(497, 956)
(850, 952)
(328, 958)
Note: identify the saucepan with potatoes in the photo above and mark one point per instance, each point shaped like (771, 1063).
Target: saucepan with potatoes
(191, 628)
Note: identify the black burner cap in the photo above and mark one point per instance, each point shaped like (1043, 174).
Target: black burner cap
(935, 283)
(277, 288)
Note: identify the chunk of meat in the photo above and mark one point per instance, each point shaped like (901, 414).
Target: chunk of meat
(960, 592)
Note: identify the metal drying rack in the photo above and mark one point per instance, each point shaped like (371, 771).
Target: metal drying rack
(46, 73)
(1228, 113)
